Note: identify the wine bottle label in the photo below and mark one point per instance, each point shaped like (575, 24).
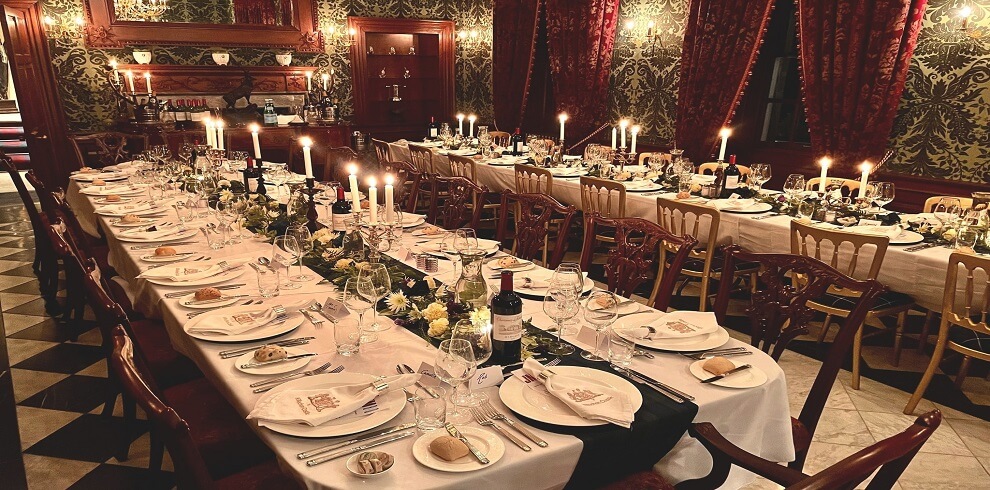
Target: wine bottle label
(433, 132)
(338, 222)
(507, 328)
(731, 181)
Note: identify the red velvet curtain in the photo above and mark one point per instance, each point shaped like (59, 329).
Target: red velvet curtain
(854, 61)
(581, 34)
(721, 41)
(515, 26)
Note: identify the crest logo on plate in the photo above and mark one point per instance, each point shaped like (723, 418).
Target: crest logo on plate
(324, 401)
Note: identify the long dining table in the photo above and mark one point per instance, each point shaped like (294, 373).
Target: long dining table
(732, 411)
(920, 274)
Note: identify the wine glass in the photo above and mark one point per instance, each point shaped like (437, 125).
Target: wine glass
(455, 364)
(465, 240)
(601, 310)
(759, 173)
(884, 194)
(794, 185)
(379, 285)
(279, 175)
(358, 303)
(284, 252)
(185, 152)
(569, 274)
(479, 335)
(304, 243)
(449, 249)
(560, 304)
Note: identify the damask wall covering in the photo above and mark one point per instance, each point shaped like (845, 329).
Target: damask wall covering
(89, 106)
(941, 126)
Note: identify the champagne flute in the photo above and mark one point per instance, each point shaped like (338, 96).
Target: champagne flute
(284, 250)
(479, 335)
(304, 245)
(379, 285)
(358, 303)
(454, 364)
(560, 304)
(601, 310)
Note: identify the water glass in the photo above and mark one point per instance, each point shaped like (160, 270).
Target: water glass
(267, 282)
(431, 413)
(347, 336)
(213, 238)
(620, 350)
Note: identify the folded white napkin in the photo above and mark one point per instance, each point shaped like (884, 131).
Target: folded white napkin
(679, 325)
(189, 271)
(318, 406)
(124, 208)
(106, 190)
(891, 232)
(590, 401)
(98, 175)
(236, 323)
(702, 179)
(151, 235)
(733, 203)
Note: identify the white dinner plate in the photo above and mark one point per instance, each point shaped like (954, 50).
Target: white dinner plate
(408, 220)
(422, 233)
(486, 442)
(292, 322)
(275, 368)
(167, 258)
(523, 265)
(750, 378)
(389, 405)
(460, 153)
(178, 235)
(568, 172)
(206, 281)
(100, 191)
(541, 407)
(538, 293)
(104, 176)
(122, 200)
(756, 208)
(643, 186)
(192, 303)
(506, 162)
(433, 247)
(907, 237)
(143, 222)
(712, 340)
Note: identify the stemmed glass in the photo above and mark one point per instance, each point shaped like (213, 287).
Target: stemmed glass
(884, 194)
(759, 173)
(279, 175)
(479, 335)
(948, 211)
(794, 185)
(569, 274)
(560, 304)
(358, 303)
(455, 364)
(465, 240)
(285, 250)
(304, 245)
(219, 210)
(448, 248)
(238, 207)
(185, 152)
(601, 310)
(380, 284)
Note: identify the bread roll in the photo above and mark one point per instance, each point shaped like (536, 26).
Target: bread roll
(432, 230)
(449, 448)
(164, 252)
(208, 293)
(112, 198)
(718, 365)
(508, 262)
(130, 218)
(87, 170)
(99, 182)
(270, 353)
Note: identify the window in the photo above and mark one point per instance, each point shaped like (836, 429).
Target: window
(783, 117)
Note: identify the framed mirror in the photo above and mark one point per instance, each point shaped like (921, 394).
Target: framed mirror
(277, 24)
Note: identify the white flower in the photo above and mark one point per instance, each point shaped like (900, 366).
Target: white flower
(342, 264)
(435, 311)
(481, 316)
(438, 327)
(431, 282)
(226, 196)
(949, 234)
(414, 313)
(274, 213)
(397, 302)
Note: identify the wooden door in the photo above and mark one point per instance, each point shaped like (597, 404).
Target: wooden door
(41, 111)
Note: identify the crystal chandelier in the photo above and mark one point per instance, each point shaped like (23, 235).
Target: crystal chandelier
(143, 10)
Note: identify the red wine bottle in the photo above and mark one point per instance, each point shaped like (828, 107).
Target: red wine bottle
(433, 131)
(730, 178)
(516, 142)
(340, 211)
(507, 327)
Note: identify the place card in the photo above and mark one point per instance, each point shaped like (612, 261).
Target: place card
(404, 254)
(429, 378)
(485, 377)
(334, 309)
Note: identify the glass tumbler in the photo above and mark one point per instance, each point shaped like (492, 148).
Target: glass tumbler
(347, 335)
(431, 413)
(267, 282)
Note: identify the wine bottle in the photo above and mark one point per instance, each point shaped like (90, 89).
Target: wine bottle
(730, 178)
(433, 131)
(719, 180)
(271, 119)
(340, 211)
(507, 327)
(516, 142)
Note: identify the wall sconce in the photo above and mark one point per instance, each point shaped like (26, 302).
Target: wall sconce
(648, 32)
(961, 29)
(339, 38)
(60, 29)
(473, 37)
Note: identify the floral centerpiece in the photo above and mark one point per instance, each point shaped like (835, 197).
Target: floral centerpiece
(264, 216)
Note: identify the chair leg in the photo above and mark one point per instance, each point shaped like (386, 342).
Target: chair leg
(899, 336)
(919, 392)
(963, 370)
(130, 415)
(703, 298)
(857, 354)
(824, 332)
(753, 283)
(157, 453)
(923, 338)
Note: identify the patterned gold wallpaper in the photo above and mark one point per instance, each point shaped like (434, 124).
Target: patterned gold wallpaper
(89, 106)
(941, 126)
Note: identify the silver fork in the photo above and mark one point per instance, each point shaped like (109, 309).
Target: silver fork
(315, 321)
(492, 413)
(487, 422)
(282, 379)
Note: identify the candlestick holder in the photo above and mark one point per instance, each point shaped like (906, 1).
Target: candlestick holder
(623, 158)
(312, 216)
(376, 236)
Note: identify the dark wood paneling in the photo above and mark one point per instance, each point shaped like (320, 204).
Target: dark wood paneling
(191, 79)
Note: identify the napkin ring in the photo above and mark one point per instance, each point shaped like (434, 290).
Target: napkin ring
(543, 374)
(380, 385)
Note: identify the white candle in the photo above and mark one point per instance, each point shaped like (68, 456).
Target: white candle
(724, 134)
(130, 80)
(355, 196)
(147, 80)
(254, 139)
(623, 124)
(389, 199)
(615, 133)
(326, 78)
(211, 134)
(825, 162)
(865, 168)
(116, 74)
(562, 117)
(332, 79)
(635, 131)
(307, 142)
(220, 139)
(373, 201)
(309, 81)
(460, 124)
(471, 119)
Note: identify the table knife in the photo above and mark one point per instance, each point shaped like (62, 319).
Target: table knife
(425, 388)
(276, 361)
(333, 447)
(287, 342)
(456, 433)
(731, 371)
(356, 449)
(635, 377)
(665, 386)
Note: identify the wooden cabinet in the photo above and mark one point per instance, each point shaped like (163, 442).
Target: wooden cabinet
(403, 74)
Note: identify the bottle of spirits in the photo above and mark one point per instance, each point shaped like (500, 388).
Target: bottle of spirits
(507, 327)
(340, 211)
(730, 178)
(270, 118)
(516, 142)
(719, 183)
(433, 131)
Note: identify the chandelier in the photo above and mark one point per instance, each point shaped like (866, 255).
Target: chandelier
(142, 10)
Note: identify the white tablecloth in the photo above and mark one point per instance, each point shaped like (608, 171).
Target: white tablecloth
(732, 411)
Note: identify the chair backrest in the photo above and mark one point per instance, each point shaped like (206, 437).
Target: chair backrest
(48, 205)
(697, 220)
(966, 301)
(64, 211)
(381, 150)
(604, 197)
(190, 470)
(422, 159)
(847, 186)
(841, 250)
(25, 195)
(407, 180)
(500, 138)
(709, 168)
(465, 167)
(108, 148)
(640, 254)
(931, 202)
(533, 213)
(460, 206)
(533, 180)
(335, 163)
(778, 312)
(888, 458)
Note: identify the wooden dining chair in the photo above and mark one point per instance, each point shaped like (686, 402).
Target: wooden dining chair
(407, 180)
(467, 167)
(500, 138)
(931, 202)
(848, 187)
(381, 150)
(209, 443)
(422, 159)
(532, 180)
(779, 311)
(45, 263)
(886, 460)
(456, 210)
(335, 164)
(640, 255)
(964, 328)
(844, 250)
(532, 216)
(605, 197)
(107, 148)
(709, 169)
